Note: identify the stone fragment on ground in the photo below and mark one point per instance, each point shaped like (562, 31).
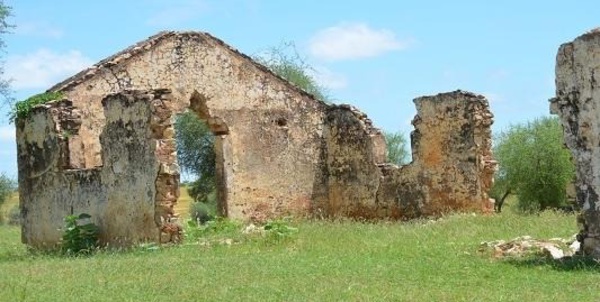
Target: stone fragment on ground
(555, 248)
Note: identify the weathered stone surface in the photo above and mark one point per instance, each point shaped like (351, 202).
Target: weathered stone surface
(452, 167)
(577, 103)
(108, 149)
(120, 195)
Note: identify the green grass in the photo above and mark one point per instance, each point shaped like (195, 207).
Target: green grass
(323, 261)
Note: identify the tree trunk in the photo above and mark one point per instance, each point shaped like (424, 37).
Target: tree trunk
(498, 204)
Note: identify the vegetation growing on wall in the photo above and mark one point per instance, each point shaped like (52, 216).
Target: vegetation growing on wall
(22, 108)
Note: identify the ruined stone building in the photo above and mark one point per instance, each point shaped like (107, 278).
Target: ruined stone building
(108, 149)
(577, 103)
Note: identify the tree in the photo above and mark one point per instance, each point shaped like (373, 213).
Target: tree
(5, 27)
(397, 151)
(196, 153)
(7, 187)
(285, 61)
(534, 164)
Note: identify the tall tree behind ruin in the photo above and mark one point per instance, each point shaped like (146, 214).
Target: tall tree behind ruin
(533, 164)
(397, 149)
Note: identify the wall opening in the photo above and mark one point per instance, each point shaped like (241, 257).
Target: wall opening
(199, 138)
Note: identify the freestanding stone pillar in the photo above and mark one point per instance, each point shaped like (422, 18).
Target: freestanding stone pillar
(577, 103)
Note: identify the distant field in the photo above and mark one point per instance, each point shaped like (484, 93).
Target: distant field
(323, 261)
(183, 203)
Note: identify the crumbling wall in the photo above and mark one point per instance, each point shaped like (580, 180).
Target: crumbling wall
(452, 151)
(109, 149)
(452, 167)
(126, 197)
(577, 103)
(265, 166)
(352, 149)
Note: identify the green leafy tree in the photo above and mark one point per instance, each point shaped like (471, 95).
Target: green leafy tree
(285, 61)
(7, 187)
(5, 27)
(196, 153)
(397, 148)
(533, 164)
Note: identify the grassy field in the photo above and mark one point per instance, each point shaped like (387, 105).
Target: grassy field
(323, 261)
(183, 203)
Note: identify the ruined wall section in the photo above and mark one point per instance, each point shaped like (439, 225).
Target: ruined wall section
(352, 150)
(577, 103)
(452, 167)
(46, 191)
(126, 197)
(140, 170)
(452, 151)
(270, 150)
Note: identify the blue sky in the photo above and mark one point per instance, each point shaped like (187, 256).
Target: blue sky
(376, 55)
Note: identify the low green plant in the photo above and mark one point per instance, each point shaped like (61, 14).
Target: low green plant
(220, 226)
(279, 229)
(22, 108)
(201, 212)
(79, 236)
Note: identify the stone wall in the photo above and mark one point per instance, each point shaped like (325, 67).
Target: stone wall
(452, 167)
(108, 148)
(577, 103)
(126, 197)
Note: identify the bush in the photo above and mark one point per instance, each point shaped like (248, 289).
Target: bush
(278, 230)
(22, 108)
(79, 235)
(218, 227)
(203, 189)
(201, 212)
(14, 216)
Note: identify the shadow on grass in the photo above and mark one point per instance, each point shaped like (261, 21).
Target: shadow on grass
(575, 263)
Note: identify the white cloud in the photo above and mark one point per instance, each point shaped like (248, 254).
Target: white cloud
(328, 78)
(352, 41)
(7, 133)
(43, 68)
(38, 29)
(177, 11)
